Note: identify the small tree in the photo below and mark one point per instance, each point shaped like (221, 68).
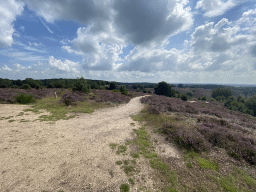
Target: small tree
(112, 86)
(180, 86)
(189, 94)
(204, 98)
(184, 97)
(82, 86)
(163, 88)
(123, 89)
(26, 86)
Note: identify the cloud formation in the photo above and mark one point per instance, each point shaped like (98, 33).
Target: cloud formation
(214, 8)
(9, 10)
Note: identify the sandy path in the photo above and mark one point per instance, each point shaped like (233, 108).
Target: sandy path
(71, 155)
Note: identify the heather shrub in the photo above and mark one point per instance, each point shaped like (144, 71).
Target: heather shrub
(149, 91)
(237, 145)
(138, 90)
(144, 91)
(186, 138)
(22, 98)
(26, 86)
(71, 98)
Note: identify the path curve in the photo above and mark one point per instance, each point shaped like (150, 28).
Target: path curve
(71, 155)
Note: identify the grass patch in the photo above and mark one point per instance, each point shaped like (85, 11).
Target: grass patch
(126, 162)
(119, 162)
(113, 145)
(11, 121)
(135, 155)
(128, 169)
(124, 188)
(205, 164)
(9, 117)
(131, 181)
(121, 149)
(20, 114)
(23, 120)
(189, 164)
(133, 161)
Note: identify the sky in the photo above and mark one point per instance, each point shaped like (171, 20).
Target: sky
(176, 41)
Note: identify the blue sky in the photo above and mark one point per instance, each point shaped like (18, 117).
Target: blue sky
(177, 41)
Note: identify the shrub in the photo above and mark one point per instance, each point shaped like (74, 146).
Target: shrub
(123, 89)
(26, 86)
(184, 97)
(189, 94)
(204, 98)
(149, 91)
(115, 90)
(144, 91)
(82, 86)
(125, 188)
(163, 88)
(112, 86)
(71, 98)
(226, 92)
(24, 98)
(138, 90)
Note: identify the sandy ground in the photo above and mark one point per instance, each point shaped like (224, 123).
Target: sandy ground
(70, 155)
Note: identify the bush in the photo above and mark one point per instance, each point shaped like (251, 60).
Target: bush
(71, 98)
(163, 88)
(184, 97)
(82, 86)
(189, 94)
(26, 86)
(221, 92)
(144, 91)
(138, 90)
(24, 98)
(204, 98)
(50, 85)
(149, 91)
(112, 86)
(123, 89)
(115, 90)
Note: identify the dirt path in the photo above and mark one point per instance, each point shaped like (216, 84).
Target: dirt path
(70, 155)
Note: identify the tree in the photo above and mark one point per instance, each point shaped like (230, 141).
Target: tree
(240, 99)
(26, 86)
(189, 94)
(81, 85)
(184, 97)
(112, 86)
(58, 84)
(50, 85)
(251, 104)
(134, 86)
(226, 92)
(94, 85)
(123, 89)
(163, 88)
(180, 86)
(31, 82)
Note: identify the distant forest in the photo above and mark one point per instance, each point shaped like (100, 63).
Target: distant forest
(100, 84)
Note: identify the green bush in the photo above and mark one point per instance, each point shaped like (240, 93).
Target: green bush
(82, 86)
(204, 98)
(138, 90)
(189, 94)
(125, 188)
(165, 89)
(184, 97)
(149, 91)
(144, 91)
(24, 98)
(115, 90)
(26, 86)
(123, 89)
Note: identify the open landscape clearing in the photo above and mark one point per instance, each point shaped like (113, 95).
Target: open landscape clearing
(48, 146)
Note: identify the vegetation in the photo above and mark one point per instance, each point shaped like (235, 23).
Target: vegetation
(163, 88)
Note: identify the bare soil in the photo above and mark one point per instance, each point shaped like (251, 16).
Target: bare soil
(70, 155)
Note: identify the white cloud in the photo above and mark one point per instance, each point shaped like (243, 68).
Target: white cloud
(6, 68)
(66, 66)
(214, 8)
(22, 28)
(8, 12)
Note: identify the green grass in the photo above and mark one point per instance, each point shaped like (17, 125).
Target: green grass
(113, 145)
(131, 181)
(121, 149)
(124, 188)
(119, 162)
(11, 121)
(205, 164)
(135, 155)
(20, 114)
